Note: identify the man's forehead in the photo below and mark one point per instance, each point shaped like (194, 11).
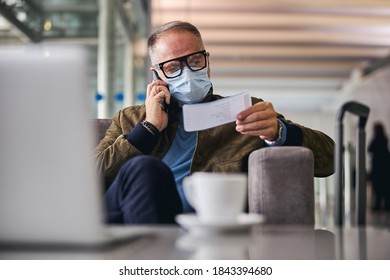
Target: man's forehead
(172, 44)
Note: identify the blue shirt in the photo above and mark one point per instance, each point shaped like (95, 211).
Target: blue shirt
(179, 158)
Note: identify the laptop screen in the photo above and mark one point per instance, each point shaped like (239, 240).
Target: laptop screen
(49, 189)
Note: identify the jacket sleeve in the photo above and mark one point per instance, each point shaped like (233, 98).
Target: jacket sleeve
(115, 149)
(318, 142)
(322, 147)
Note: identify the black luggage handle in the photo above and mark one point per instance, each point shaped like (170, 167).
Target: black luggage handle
(362, 111)
(357, 109)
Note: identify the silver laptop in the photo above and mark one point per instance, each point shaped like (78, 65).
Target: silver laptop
(49, 191)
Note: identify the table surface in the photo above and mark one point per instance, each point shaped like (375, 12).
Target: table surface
(269, 242)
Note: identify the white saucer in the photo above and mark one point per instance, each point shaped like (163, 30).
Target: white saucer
(191, 222)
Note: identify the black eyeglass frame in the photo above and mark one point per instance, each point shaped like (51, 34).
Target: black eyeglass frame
(181, 59)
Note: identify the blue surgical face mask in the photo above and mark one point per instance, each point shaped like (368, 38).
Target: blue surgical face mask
(190, 87)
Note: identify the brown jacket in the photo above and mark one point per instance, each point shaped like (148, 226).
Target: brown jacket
(219, 149)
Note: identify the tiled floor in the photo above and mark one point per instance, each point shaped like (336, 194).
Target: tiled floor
(324, 217)
(378, 218)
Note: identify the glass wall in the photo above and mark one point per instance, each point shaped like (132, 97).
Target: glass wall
(113, 31)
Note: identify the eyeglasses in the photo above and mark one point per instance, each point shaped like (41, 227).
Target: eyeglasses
(173, 68)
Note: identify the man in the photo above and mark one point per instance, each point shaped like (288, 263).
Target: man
(380, 159)
(146, 152)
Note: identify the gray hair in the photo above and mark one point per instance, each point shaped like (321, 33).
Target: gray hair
(181, 26)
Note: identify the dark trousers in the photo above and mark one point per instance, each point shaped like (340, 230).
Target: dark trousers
(143, 192)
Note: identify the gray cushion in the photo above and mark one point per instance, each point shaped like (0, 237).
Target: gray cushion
(100, 126)
(281, 184)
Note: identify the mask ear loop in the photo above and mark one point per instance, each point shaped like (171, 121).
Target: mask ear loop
(208, 64)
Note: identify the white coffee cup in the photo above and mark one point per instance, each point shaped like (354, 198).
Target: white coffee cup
(216, 197)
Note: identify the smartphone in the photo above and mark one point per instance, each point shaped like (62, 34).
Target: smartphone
(163, 103)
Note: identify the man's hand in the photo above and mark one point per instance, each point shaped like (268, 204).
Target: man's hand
(258, 120)
(157, 91)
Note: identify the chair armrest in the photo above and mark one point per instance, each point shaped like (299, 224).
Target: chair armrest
(281, 184)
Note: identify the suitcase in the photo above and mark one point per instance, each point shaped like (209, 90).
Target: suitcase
(362, 111)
